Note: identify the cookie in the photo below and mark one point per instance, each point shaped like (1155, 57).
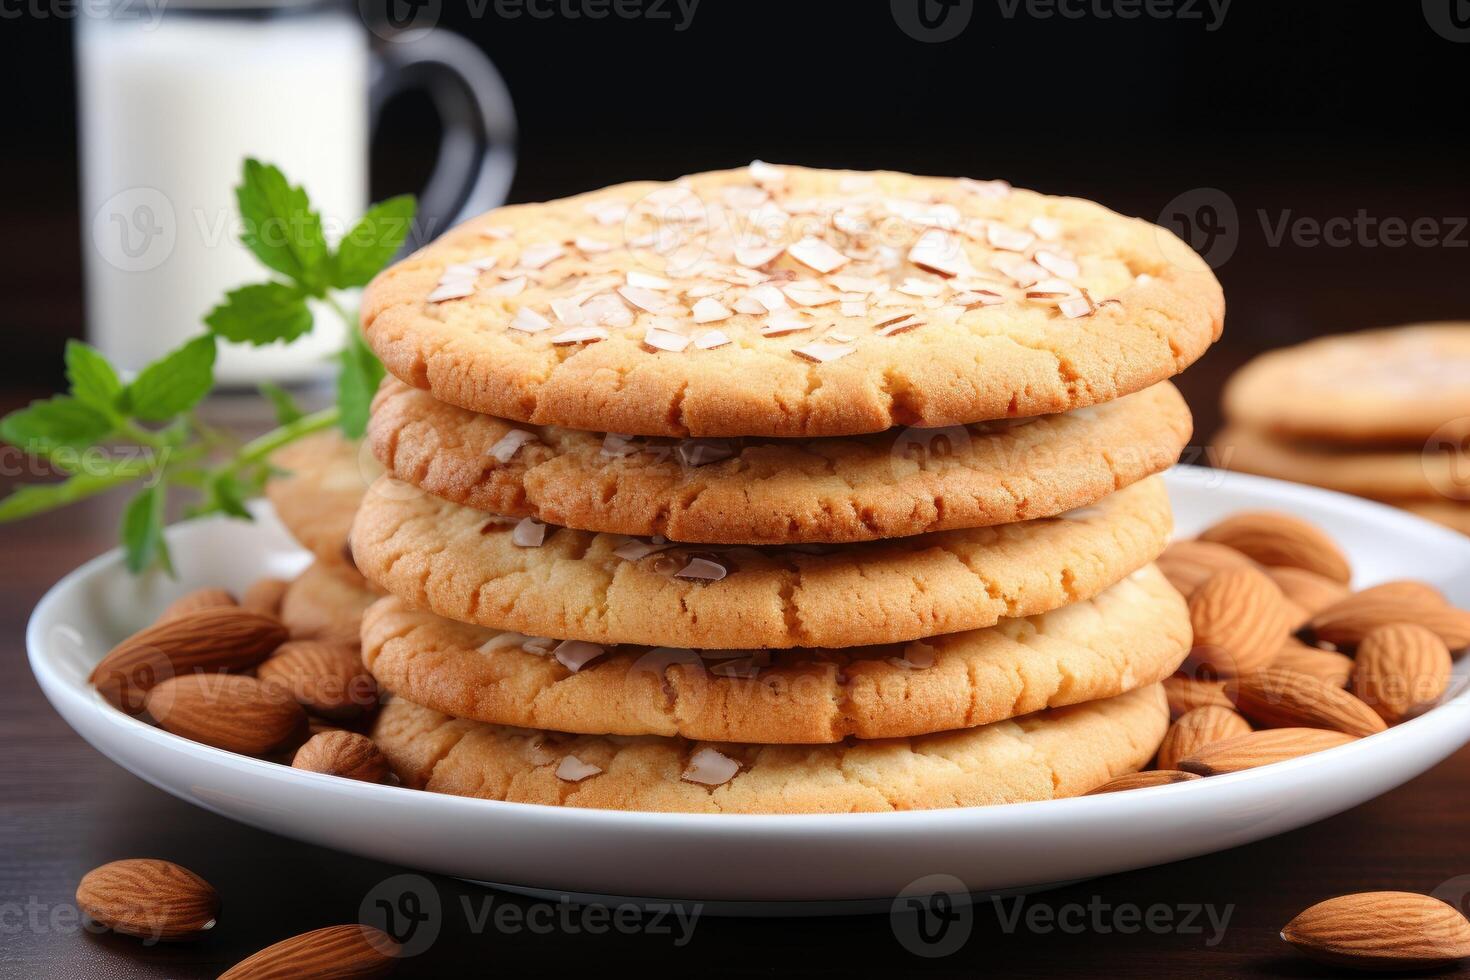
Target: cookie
(1383, 473)
(784, 301)
(605, 588)
(1043, 756)
(1130, 635)
(766, 491)
(322, 480)
(1405, 384)
(1450, 514)
(323, 605)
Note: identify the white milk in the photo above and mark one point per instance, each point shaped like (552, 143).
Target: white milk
(168, 111)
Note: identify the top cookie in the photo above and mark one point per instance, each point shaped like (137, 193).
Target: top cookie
(781, 301)
(1404, 384)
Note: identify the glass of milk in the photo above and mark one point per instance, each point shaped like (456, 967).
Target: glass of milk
(174, 94)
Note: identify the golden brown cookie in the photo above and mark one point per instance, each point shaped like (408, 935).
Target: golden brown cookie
(774, 491)
(1132, 634)
(782, 301)
(322, 604)
(1048, 755)
(605, 588)
(316, 495)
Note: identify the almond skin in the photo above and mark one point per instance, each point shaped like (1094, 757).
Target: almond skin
(212, 639)
(148, 898)
(342, 753)
(196, 600)
(1277, 698)
(1275, 539)
(1327, 666)
(265, 595)
(1310, 591)
(1189, 564)
(1382, 931)
(1239, 619)
(327, 679)
(228, 711)
(1142, 780)
(354, 951)
(1196, 729)
(1406, 590)
(1344, 624)
(1187, 693)
(1401, 670)
(1261, 749)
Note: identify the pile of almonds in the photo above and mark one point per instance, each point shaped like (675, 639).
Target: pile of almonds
(1287, 660)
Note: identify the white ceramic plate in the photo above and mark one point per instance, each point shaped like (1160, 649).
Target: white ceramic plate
(847, 858)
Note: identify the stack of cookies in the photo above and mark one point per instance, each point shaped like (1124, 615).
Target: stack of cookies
(778, 490)
(1382, 414)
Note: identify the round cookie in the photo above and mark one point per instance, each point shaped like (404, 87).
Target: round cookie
(1405, 384)
(606, 588)
(1383, 474)
(322, 480)
(1450, 514)
(763, 491)
(792, 302)
(1048, 755)
(1130, 635)
(323, 605)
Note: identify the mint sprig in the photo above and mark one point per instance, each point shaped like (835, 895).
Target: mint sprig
(107, 432)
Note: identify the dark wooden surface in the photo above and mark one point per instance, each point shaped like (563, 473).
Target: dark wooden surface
(64, 809)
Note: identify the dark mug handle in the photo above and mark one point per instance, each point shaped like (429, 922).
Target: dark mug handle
(477, 155)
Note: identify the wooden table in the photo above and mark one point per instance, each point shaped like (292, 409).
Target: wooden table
(64, 809)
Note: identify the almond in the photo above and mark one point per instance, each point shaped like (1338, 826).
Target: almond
(1187, 564)
(227, 711)
(1196, 729)
(1262, 749)
(1328, 666)
(355, 951)
(1401, 670)
(325, 678)
(212, 639)
(1186, 693)
(148, 898)
(1239, 620)
(1309, 590)
(265, 595)
(1407, 590)
(1344, 624)
(198, 599)
(1142, 780)
(1277, 698)
(1273, 538)
(1382, 931)
(342, 753)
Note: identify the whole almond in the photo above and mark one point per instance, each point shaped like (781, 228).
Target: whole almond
(1262, 749)
(1142, 780)
(148, 898)
(1186, 693)
(1407, 590)
(354, 951)
(198, 599)
(1344, 624)
(1277, 698)
(264, 595)
(212, 639)
(1196, 729)
(1328, 666)
(328, 679)
(1401, 670)
(1310, 591)
(1239, 620)
(342, 753)
(1273, 538)
(1187, 564)
(1382, 931)
(228, 711)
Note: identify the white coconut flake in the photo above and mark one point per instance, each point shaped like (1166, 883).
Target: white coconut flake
(765, 173)
(661, 338)
(580, 335)
(755, 256)
(528, 320)
(919, 287)
(985, 188)
(635, 548)
(816, 254)
(900, 325)
(702, 569)
(809, 294)
(711, 339)
(780, 322)
(504, 641)
(977, 297)
(647, 280)
(509, 444)
(576, 654)
(940, 252)
(1057, 264)
(1047, 229)
(644, 299)
(459, 270)
(511, 287)
(616, 445)
(709, 767)
(540, 255)
(1076, 307)
(528, 533)
(710, 311)
(769, 297)
(498, 232)
(574, 770)
(457, 289)
(591, 246)
(568, 311)
(823, 352)
(1010, 239)
(916, 656)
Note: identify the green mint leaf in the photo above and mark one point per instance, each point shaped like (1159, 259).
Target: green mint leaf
(356, 384)
(261, 314)
(40, 497)
(374, 240)
(142, 530)
(280, 227)
(62, 423)
(287, 411)
(93, 380)
(174, 383)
